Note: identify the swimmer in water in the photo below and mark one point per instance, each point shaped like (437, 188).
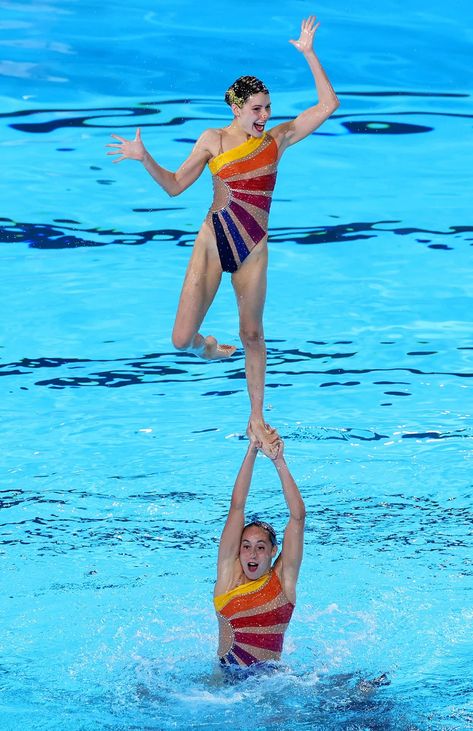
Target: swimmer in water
(243, 159)
(254, 598)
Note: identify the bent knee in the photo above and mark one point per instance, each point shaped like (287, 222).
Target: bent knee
(182, 341)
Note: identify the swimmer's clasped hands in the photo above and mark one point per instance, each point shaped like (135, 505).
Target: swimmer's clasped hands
(272, 448)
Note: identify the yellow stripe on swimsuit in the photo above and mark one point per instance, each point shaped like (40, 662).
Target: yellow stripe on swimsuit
(234, 154)
(222, 599)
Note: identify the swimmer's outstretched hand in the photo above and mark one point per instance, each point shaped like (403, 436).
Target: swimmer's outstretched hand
(265, 436)
(306, 39)
(128, 149)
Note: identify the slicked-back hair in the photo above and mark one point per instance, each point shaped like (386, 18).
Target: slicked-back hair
(265, 526)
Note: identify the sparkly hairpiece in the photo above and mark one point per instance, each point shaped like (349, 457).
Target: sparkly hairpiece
(234, 99)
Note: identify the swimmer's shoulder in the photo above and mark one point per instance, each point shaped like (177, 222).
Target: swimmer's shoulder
(211, 141)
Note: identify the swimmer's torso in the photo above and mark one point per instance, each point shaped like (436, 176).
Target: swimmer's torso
(244, 180)
(252, 620)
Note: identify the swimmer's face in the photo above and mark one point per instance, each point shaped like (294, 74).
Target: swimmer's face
(256, 552)
(254, 114)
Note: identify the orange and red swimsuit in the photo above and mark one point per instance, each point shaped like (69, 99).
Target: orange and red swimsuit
(244, 180)
(252, 620)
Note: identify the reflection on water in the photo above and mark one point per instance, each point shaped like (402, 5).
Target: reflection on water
(67, 234)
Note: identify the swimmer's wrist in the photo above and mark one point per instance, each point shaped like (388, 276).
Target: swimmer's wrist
(310, 53)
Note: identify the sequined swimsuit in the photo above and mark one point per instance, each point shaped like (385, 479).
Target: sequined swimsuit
(252, 620)
(244, 180)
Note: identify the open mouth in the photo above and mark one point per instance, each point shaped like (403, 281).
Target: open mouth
(259, 126)
(252, 566)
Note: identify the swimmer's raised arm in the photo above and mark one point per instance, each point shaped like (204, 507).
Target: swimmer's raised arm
(172, 183)
(304, 124)
(228, 562)
(289, 561)
(229, 547)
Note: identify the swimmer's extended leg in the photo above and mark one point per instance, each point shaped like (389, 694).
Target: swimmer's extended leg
(249, 283)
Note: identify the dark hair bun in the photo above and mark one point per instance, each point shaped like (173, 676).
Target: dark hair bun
(243, 88)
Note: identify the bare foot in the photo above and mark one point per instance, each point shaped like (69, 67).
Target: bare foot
(266, 437)
(214, 351)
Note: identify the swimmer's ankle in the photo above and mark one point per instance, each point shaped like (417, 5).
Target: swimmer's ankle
(198, 346)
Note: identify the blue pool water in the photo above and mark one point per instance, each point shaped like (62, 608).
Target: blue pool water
(119, 454)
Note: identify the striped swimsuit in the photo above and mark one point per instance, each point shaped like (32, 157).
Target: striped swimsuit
(252, 620)
(244, 180)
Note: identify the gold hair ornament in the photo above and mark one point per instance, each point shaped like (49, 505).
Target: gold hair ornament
(234, 99)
